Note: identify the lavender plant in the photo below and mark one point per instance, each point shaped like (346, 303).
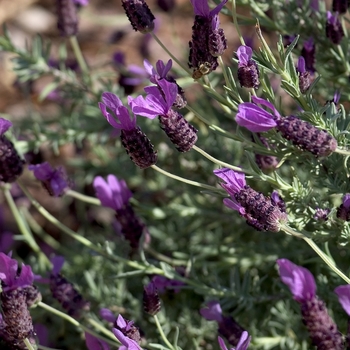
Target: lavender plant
(163, 248)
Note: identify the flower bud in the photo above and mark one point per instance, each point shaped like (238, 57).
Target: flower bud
(139, 14)
(151, 301)
(67, 21)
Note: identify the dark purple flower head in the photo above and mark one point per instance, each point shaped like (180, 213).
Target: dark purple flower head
(248, 72)
(94, 343)
(160, 72)
(115, 105)
(343, 211)
(112, 193)
(308, 52)
(304, 75)
(340, 6)
(334, 29)
(151, 300)
(201, 8)
(54, 180)
(139, 15)
(256, 119)
(343, 293)
(212, 311)
(12, 276)
(242, 344)
(157, 102)
(299, 280)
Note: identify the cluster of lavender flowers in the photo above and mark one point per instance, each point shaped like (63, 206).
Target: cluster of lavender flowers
(184, 253)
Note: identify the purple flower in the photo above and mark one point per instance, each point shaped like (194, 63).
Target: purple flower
(298, 279)
(81, 2)
(54, 180)
(4, 125)
(107, 315)
(334, 29)
(308, 52)
(162, 283)
(157, 102)
(343, 211)
(201, 8)
(112, 193)
(11, 277)
(212, 311)
(94, 343)
(256, 119)
(243, 343)
(126, 122)
(135, 142)
(315, 6)
(127, 334)
(343, 293)
(321, 214)
(160, 72)
(151, 300)
(248, 72)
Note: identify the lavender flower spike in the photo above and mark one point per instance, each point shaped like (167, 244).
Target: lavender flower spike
(11, 165)
(139, 15)
(116, 195)
(304, 75)
(243, 343)
(343, 211)
(322, 329)
(261, 212)
(208, 40)
(256, 119)
(158, 102)
(248, 72)
(54, 180)
(334, 29)
(135, 142)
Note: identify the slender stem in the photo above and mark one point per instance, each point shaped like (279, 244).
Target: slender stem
(101, 328)
(23, 226)
(83, 197)
(219, 162)
(221, 62)
(162, 257)
(342, 151)
(78, 54)
(182, 179)
(163, 336)
(198, 115)
(28, 344)
(170, 54)
(235, 22)
(75, 322)
(318, 251)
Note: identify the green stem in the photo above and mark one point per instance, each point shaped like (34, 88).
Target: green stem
(219, 162)
(75, 322)
(235, 22)
(101, 328)
(83, 197)
(318, 251)
(165, 258)
(221, 62)
(170, 54)
(163, 336)
(342, 151)
(23, 226)
(28, 344)
(182, 179)
(78, 54)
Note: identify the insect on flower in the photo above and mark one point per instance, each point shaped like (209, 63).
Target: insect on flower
(203, 69)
